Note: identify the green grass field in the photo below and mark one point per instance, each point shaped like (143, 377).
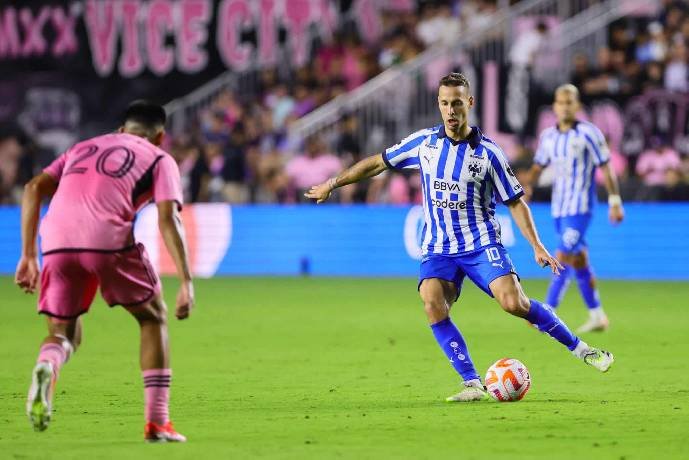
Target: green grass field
(347, 368)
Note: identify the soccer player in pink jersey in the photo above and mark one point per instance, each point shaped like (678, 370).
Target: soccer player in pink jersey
(87, 242)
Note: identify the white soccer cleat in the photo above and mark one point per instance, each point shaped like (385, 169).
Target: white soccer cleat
(38, 404)
(600, 359)
(473, 391)
(594, 325)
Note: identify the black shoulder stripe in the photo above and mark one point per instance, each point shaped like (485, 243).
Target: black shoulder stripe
(145, 182)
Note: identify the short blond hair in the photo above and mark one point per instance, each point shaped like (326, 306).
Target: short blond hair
(568, 88)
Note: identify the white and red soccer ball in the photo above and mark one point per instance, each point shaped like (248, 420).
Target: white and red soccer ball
(508, 380)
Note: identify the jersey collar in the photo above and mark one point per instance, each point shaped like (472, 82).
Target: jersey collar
(574, 126)
(474, 138)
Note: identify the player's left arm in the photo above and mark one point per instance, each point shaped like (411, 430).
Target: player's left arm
(615, 209)
(35, 191)
(522, 216)
(601, 158)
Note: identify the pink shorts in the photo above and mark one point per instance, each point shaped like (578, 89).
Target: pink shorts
(69, 280)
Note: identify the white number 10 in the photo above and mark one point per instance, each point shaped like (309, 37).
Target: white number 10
(493, 254)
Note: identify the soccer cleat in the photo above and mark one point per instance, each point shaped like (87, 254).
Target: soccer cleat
(472, 392)
(38, 405)
(162, 433)
(600, 359)
(594, 325)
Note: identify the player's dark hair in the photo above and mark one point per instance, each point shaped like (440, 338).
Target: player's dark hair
(454, 79)
(146, 113)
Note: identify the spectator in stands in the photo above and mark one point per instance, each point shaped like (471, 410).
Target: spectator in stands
(315, 167)
(437, 24)
(658, 42)
(235, 189)
(654, 164)
(11, 152)
(675, 187)
(281, 103)
(528, 44)
(677, 71)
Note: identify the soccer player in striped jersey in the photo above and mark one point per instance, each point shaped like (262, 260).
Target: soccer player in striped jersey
(463, 174)
(575, 149)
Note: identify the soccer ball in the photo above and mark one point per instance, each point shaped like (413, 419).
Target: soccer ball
(508, 380)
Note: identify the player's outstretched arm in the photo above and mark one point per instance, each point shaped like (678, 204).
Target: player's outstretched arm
(522, 216)
(170, 225)
(38, 188)
(615, 209)
(368, 167)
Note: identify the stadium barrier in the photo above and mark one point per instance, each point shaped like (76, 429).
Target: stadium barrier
(357, 240)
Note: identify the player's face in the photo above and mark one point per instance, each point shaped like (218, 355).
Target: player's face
(566, 106)
(454, 103)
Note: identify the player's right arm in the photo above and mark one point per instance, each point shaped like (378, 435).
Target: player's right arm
(404, 155)
(368, 167)
(38, 188)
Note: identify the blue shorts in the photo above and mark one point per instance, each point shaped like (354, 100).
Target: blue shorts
(482, 267)
(571, 231)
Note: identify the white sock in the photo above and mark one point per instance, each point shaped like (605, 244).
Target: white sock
(473, 383)
(597, 314)
(581, 349)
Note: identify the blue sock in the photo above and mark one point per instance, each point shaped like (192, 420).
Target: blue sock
(451, 341)
(547, 321)
(587, 286)
(558, 286)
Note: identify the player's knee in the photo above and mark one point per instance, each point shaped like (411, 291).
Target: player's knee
(154, 311)
(158, 312)
(579, 260)
(436, 310)
(514, 303)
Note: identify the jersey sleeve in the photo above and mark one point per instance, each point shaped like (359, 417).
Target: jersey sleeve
(405, 155)
(542, 156)
(596, 143)
(55, 168)
(166, 181)
(506, 184)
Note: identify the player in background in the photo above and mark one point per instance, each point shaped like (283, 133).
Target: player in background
(575, 149)
(462, 174)
(87, 241)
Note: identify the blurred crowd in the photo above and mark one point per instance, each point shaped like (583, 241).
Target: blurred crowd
(642, 54)
(238, 150)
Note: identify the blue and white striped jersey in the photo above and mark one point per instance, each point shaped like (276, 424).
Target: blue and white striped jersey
(460, 182)
(575, 155)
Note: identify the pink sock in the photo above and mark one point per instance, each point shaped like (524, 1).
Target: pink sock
(157, 394)
(55, 354)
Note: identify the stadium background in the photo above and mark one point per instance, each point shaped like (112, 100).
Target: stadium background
(269, 97)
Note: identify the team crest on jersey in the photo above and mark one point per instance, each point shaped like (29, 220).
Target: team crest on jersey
(475, 168)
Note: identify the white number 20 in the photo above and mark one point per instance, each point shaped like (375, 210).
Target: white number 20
(493, 254)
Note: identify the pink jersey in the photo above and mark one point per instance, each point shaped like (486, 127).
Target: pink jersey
(102, 183)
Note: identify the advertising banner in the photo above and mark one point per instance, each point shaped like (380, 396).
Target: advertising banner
(331, 240)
